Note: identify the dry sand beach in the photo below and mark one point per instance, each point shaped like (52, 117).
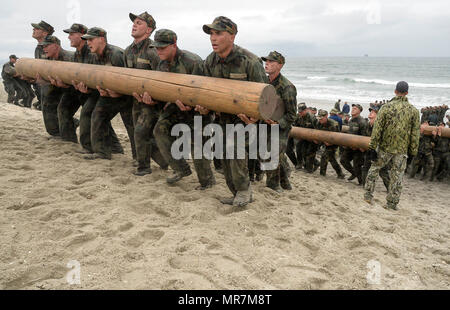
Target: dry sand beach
(138, 233)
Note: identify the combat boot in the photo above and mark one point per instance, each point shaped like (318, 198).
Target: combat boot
(286, 185)
(143, 172)
(178, 176)
(243, 198)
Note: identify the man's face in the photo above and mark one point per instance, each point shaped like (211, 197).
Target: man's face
(167, 53)
(355, 111)
(273, 67)
(51, 50)
(13, 60)
(75, 39)
(372, 117)
(140, 29)
(221, 41)
(314, 112)
(323, 120)
(39, 34)
(95, 44)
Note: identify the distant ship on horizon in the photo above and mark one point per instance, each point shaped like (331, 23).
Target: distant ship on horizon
(366, 55)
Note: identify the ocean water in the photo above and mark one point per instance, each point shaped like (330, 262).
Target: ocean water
(366, 79)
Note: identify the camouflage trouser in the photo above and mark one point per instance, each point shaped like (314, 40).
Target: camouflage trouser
(37, 92)
(9, 89)
(426, 161)
(235, 170)
(145, 118)
(50, 102)
(397, 169)
(254, 169)
(24, 92)
(105, 110)
(310, 156)
(440, 162)
(68, 106)
(88, 103)
(358, 161)
(281, 174)
(329, 156)
(301, 147)
(164, 140)
(384, 172)
(290, 151)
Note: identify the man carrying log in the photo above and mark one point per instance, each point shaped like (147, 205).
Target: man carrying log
(110, 103)
(229, 62)
(395, 135)
(51, 94)
(40, 32)
(278, 179)
(179, 61)
(357, 127)
(140, 55)
(329, 156)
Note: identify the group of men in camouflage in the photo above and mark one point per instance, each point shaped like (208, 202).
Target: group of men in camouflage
(149, 122)
(19, 91)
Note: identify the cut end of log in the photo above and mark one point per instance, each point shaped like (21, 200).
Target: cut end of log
(270, 105)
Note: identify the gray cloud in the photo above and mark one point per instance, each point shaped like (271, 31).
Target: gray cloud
(306, 28)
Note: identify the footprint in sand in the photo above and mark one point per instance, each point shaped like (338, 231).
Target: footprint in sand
(144, 236)
(34, 274)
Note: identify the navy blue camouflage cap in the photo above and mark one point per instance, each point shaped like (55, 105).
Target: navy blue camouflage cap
(375, 108)
(146, 18)
(77, 28)
(164, 37)
(13, 56)
(221, 23)
(44, 26)
(275, 56)
(49, 40)
(302, 107)
(95, 32)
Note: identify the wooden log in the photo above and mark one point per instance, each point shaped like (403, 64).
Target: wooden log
(428, 131)
(257, 100)
(334, 138)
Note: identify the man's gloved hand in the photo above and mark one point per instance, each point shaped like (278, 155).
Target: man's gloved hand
(373, 155)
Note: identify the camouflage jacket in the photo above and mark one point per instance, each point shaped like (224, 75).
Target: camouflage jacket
(65, 56)
(288, 93)
(39, 53)
(426, 144)
(442, 145)
(237, 66)
(331, 125)
(141, 56)
(307, 121)
(184, 63)
(358, 126)
(84, 56)
(397, 128)
(8, 71)
(48, 90)
(112, 56)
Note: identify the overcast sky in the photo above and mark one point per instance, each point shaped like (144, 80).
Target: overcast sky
(295, 28)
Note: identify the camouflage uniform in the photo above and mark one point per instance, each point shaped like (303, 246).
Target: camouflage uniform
(424, 157)
(288, 94)
(357, 127)
(71, 100)
(306, 150)
(107, 108)
(384, 172)
(440, 154)
(143, 56)
(395, 136)
(183, 63)
(8, 73)
(51, 95)
(40, 54)
(237, 65)
(330, 151)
